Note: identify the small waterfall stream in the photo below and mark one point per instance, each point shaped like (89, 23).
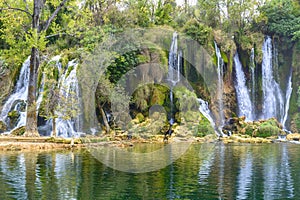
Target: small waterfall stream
(243, 97)
(288, 95)
(69, 102)
(17, 100)
(220, 73)
(205, 111)
(174, 70)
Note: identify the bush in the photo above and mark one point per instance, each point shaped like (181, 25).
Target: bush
(249, 129)
(267, 129)
(198, 31)
(204, 128)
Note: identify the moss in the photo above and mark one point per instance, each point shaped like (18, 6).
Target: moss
(69, 70)
(249, 129)
(267, 129)
(295, 125)
(19, 131)
(140, 117)
(224, 57)
(204, 128)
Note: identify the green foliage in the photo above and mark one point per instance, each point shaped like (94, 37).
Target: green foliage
(296, 120)
(282, 18)
(267, 129)
(163, 13)
(186, 100)
(249, 129)
(198, 31)
(121, 65)
(148, 95)
(14, 28)
(140, 117)
(19, 131)
(204, 128)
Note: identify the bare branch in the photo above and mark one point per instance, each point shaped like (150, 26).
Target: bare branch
(54, 14)
(58, 34)
(17, 9)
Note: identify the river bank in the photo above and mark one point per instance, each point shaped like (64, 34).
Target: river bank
(17, 143)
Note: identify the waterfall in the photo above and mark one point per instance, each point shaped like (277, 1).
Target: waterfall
(243, 97)
(273, 105)
(17, 100)
(174, 70)
(68, 126)
(174, 61)
(220, 66)
(288, 94)
(204, 109)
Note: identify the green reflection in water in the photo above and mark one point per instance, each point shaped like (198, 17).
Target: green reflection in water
(205, 171)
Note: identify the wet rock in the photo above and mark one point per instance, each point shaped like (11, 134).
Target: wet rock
(3, 127)
(13, 118)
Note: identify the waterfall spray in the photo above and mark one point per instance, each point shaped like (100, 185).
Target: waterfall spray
(273, 103)
(243, 97)
(17, 98)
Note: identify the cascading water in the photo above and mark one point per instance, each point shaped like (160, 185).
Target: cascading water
(174, 70)
(243, 97)
(273, 103)
(288, 94)
(204, 109)
(69, 102)
(17, 101)
(220, 66)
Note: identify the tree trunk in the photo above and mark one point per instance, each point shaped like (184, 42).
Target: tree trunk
(31, 121)
(104, 119)
(53, 127)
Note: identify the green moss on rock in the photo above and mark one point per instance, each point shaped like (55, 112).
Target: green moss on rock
(18, 131)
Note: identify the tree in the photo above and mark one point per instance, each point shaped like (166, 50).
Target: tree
(37, 40)
(104, 89)
(281, 17)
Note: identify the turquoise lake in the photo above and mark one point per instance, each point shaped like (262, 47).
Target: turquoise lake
(205, 171)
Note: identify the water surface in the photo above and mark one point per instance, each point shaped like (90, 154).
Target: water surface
(206, 171)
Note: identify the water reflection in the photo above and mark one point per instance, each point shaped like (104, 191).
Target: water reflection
(207, 156)
(245, 175)
(206, 171)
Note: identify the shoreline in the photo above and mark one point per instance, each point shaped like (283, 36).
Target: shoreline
(20, 144)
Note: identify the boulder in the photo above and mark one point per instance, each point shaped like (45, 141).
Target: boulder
(293, 136)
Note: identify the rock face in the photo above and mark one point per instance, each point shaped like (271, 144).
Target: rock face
(262, 128)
